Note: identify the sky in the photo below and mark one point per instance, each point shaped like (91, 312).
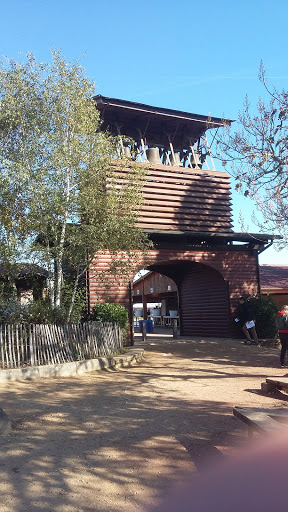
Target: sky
(199, 57)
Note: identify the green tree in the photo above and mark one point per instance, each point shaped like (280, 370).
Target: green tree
(256, 154)
(61, 197)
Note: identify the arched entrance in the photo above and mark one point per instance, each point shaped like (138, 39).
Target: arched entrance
(204, 302)
(209, 283)
(203, 298)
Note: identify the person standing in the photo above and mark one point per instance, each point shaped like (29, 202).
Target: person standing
(282, 326)
(246, 317)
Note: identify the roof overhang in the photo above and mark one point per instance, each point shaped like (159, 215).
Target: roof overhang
(138, 120)
(257, 241)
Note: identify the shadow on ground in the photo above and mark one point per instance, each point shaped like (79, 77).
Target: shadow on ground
(116, 439)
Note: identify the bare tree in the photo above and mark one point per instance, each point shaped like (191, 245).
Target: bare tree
(256, 154)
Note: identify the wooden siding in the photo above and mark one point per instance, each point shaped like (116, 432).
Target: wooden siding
(280, 297)
(158, 282)
(237, 268)
(184, 199)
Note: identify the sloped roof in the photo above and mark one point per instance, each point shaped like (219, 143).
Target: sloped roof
(27, 270)
(153, 122)
(274, 276)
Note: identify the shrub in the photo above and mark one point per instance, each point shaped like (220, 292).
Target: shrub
(37, 312)
(40, 312)
(109, 312)
(266, 313)
(11, 312)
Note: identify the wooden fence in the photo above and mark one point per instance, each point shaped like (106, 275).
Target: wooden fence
(34, 345)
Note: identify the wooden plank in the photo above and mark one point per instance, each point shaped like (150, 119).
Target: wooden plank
(278, 381)
(169, 194)
(217, 191)
(177, 183)
(9, 352)
(187, 212)
(68, 343)
(180, 214)
(185, 220)
(263, 420)
(17, 347)
(190, 225)
(2, 347)
(189, 181)
(195, 229)
(22, 334)
(274, 383)
(193, 182)
(217, 206)
(31, 345)
(165, 168)
(165, 196)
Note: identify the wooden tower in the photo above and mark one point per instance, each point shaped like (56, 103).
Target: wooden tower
(187, 214)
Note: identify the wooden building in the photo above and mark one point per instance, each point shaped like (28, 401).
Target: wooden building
(29, 282)
(156, 288)
(274, 282)
(187, 213)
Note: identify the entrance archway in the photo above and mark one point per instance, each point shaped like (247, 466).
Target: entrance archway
(204, 302)
(203, 298)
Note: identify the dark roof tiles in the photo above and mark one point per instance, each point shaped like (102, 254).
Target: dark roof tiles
(274, 276)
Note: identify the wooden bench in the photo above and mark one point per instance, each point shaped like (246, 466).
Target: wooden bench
(263, 421)
(274, 383)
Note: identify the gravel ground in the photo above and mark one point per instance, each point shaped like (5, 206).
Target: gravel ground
(117, 440)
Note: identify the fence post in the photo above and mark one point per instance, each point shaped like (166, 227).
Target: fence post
(2, 347)
(175, 334)
(31, 344)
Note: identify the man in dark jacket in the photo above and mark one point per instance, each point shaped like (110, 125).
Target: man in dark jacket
(246, 317)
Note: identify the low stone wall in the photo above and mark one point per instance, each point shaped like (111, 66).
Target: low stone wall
(131, 356)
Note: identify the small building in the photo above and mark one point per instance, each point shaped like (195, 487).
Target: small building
(152, 288)
(29, 282)
(274, 282)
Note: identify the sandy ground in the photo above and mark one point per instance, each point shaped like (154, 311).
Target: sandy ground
(117, 440)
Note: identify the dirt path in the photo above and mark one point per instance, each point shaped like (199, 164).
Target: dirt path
(116, 440)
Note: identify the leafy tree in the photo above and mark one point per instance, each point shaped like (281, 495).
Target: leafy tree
(257, 156)
(60, 195)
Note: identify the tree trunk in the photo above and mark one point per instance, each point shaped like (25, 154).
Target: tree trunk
(73, 296)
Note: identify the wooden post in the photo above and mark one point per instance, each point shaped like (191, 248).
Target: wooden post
(144, 300)
(175, 334)
(144, 332)
(131, 315)
(211, 157)
(31, 344)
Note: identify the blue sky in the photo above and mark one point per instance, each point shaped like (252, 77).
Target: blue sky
(200, 57)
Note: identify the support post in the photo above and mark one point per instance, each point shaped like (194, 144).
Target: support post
(144, 333)
(131, 314)
(144, 300)
(175, 333)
